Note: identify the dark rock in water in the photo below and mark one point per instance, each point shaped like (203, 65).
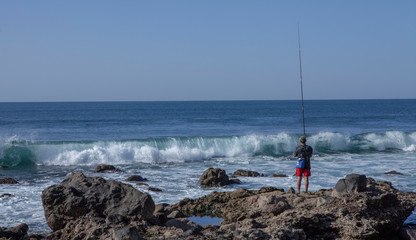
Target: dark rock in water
(244, 173)
(142, 184)
(4, 167)
(6, 195)
(18, 232)
(8, 180)
(393, 173)
(135, 178)
(106, 168)
(353, 183)
(80, 197)
(154, 189)
(279, 175)
(215, 178)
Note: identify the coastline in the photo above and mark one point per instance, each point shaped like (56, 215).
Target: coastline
(371, 210)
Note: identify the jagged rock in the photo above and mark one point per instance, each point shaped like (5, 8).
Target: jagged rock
(18, 232)
(8, 180)
(215, 178)
(80, 196)
(106, 168)
(245, 173)
(135, 178)
(373, 212)
(393, 173)
(353, 183)
(126, 233)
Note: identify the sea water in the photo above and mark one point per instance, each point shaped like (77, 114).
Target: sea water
(172, 143)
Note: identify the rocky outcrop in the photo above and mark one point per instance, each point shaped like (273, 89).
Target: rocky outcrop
(245, 173)
(215, 178)
(361, 208)
(89, 204)
(18, 232)
(372, 211)
(8, 180)
(106, 168)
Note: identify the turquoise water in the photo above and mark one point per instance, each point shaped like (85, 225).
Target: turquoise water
(172, 143)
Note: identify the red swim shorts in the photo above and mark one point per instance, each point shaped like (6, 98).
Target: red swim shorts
(305, 172)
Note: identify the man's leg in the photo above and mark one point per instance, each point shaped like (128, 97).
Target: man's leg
(299, 183)
(306, 183)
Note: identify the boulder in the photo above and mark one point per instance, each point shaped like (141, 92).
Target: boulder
(106, 168)
(215, 178)
(8, 180)
(80, 196)
(135, 178)
(353, 183)
(244, 173)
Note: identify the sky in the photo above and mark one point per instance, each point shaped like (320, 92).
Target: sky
(188, 50)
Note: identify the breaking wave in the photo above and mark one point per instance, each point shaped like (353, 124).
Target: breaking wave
(15, 153)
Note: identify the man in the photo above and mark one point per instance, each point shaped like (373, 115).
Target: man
(303, 151)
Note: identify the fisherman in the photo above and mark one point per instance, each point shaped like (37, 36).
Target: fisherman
(303, 151)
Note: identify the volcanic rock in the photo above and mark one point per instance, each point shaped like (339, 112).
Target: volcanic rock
(393, 173)
(353, 183)
(135, 178)
(18, 232)
(244, 173)
(215, 178)
(279, 175)
(106, 168)
(8, 180)
(80, 197)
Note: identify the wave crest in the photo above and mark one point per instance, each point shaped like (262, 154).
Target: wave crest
(183, 149)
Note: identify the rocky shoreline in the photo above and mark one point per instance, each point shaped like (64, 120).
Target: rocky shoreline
(357, 207)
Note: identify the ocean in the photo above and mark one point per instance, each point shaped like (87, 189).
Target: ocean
(172, 143)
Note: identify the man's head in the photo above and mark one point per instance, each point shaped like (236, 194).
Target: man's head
(302, 139)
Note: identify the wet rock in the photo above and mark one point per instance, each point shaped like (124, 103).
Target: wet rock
(142, 184)
(215, 178)
(106, 168)
(135, 178)
(280, 175)
(8, 180)
(245, 173)
(393, 173)
(353, 183)
(154, 189)
(80, 196)
(6, 195)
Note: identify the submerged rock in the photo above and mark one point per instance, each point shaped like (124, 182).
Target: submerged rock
(106, 168)
(244, 173)
(215, 178)
(393, 173)
(8, 180)
(135, 178)
(280, 175)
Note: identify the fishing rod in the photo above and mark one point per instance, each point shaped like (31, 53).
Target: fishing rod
(301, 83)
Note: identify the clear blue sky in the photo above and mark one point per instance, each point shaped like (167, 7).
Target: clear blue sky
(206, 50)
